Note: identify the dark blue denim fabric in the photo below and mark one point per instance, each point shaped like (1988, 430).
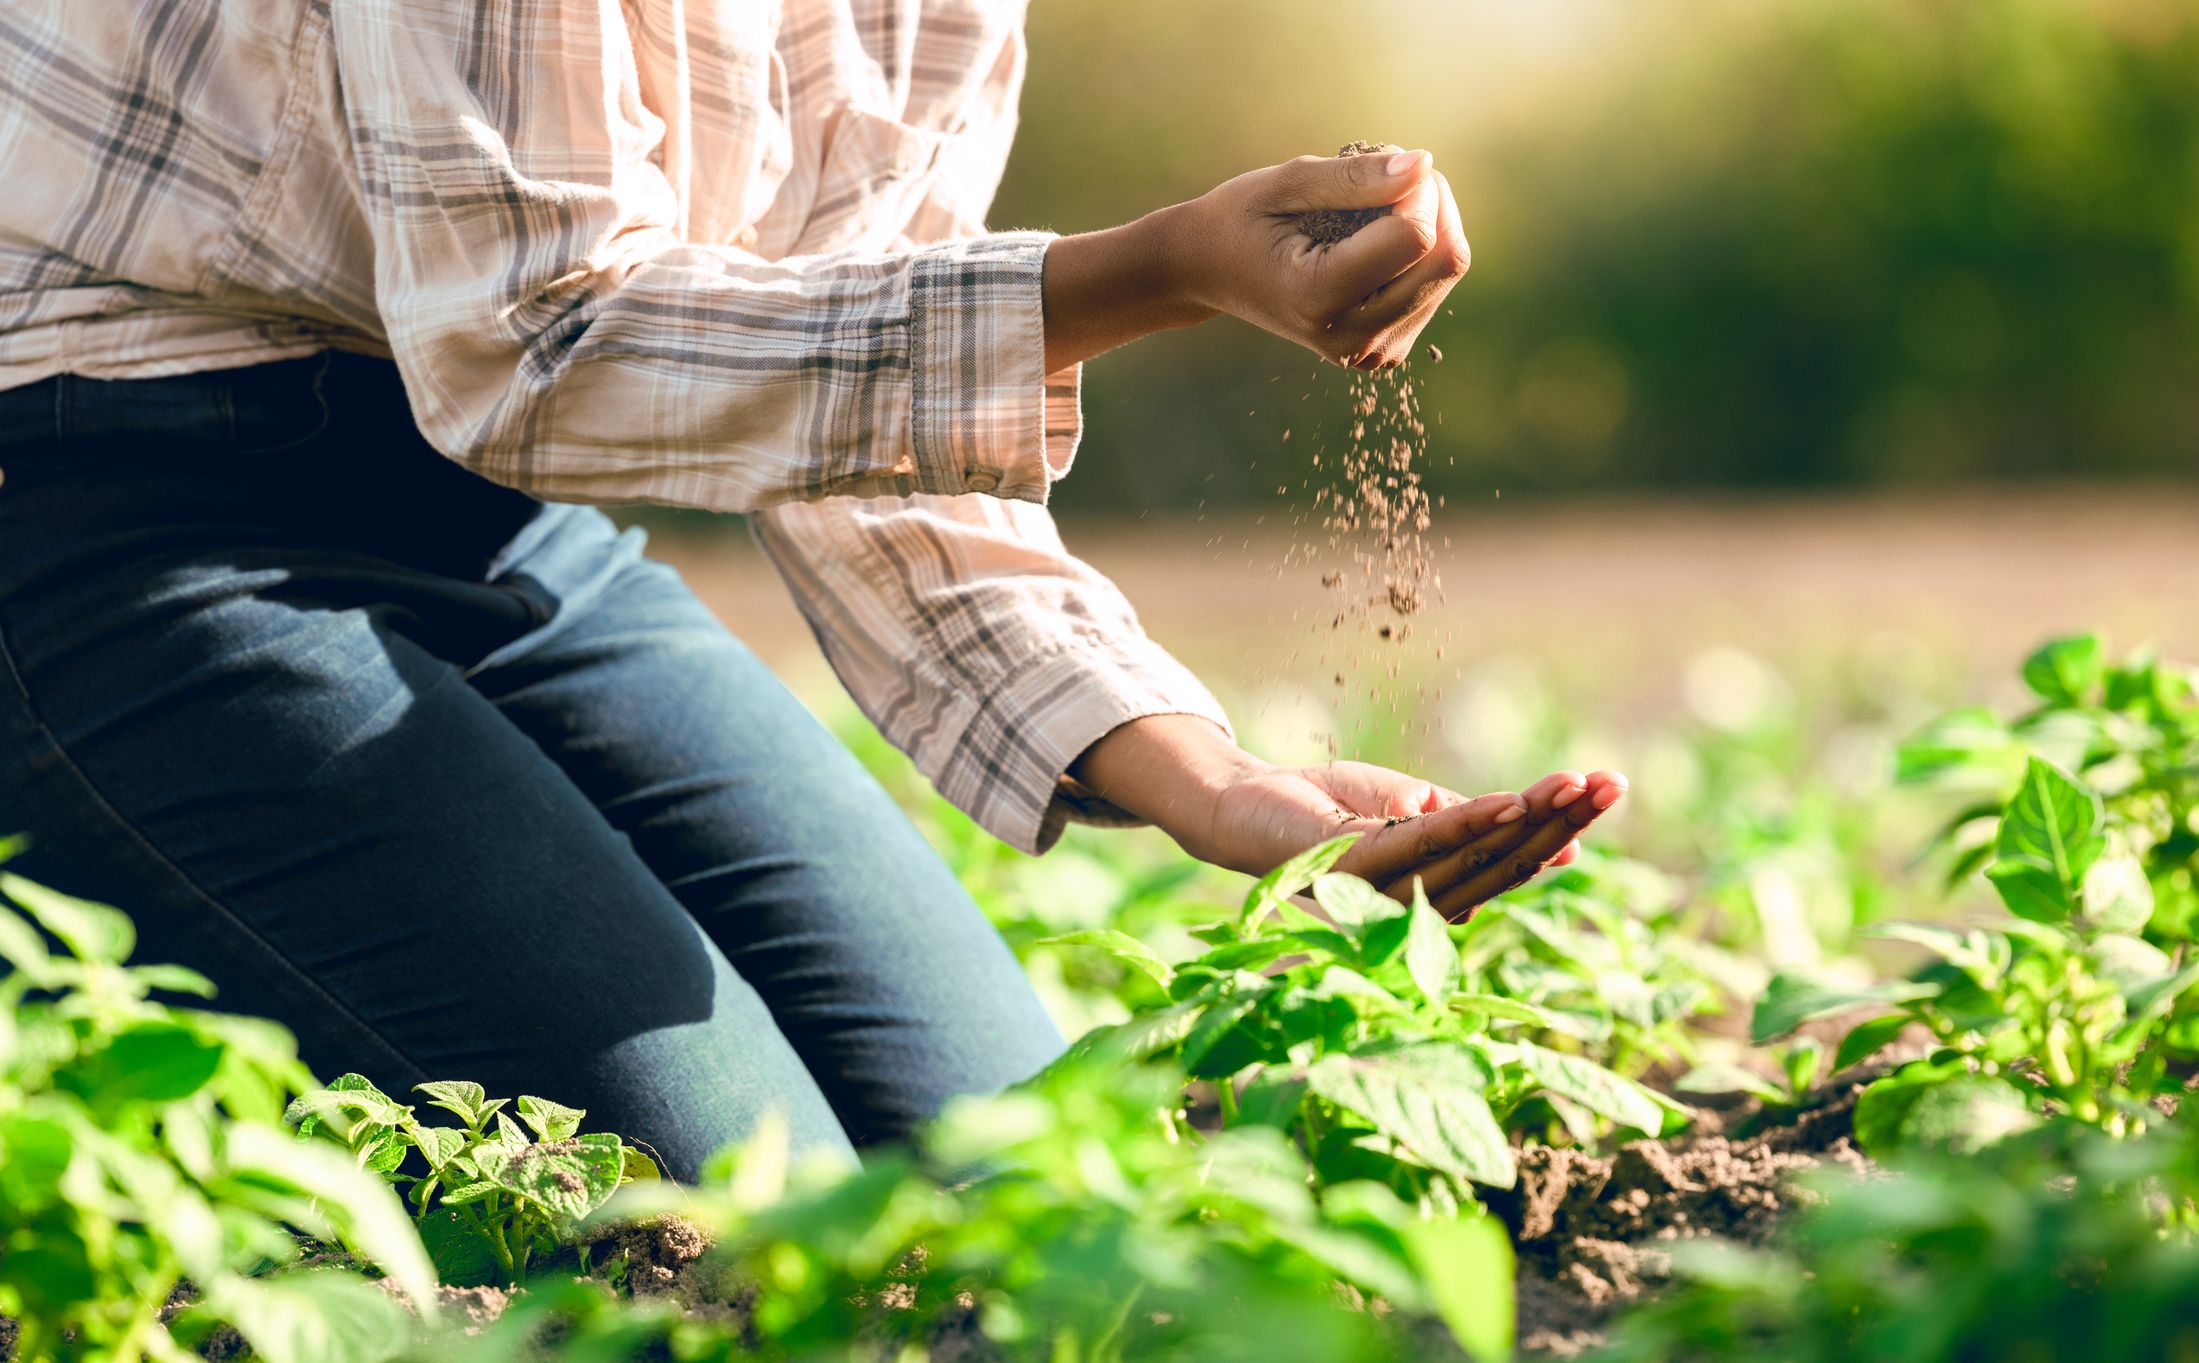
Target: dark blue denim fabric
(457, 784)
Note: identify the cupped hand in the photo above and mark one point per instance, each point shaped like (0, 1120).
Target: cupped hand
(1464, 852)
(1360, 302)
(1225, 806)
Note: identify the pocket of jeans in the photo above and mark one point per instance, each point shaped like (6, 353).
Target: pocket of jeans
(279, 406)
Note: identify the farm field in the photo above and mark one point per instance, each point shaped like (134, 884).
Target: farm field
(1899, 893)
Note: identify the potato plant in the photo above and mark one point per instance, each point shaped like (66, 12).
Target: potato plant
(1357, 1035)
(141, 1145)
(2083, 1001)
(2047, 1246)
(492, 1202)
(1070, 1218)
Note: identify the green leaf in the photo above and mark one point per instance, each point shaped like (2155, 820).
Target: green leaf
(364, 1210)
(22, 947)
(1216, 1046)
(1427, 1098)
(1589, 1084)
(1797, 996)
(469, 1192)
(1272, 1099)
(1730, 1079)
(1431, 957)
(91, 932)
(1970, 952)
(1466, 1265)
(2050, 836)
(1965, 1114)
(1259, 951)
(1867, 1039)
(460, 1096)
(1377, 924)
(1504, 1009)
(2117, 897)
(464, 1255)
(2065, 671)
(1969, 737)
(1882, 1111)
(1141, 1038)
(635, 1166)
(313, 1317)
(551, 1121)
(145, 1062)
(176, 979)
(1293, 876)
(1352, 903)
(2145, 1001)
(438, 1144)
(347, 1107)
(1120, 945)
(571, 1176)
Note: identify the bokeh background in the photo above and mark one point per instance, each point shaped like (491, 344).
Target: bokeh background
(1819, 358)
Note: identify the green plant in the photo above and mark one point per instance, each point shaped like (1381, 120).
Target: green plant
(2083, 1003)
(1073, 1218)
(2049, 1246)
(141, 1145)
(1356, 1036)
(492, 1202)
(1601, 950)
(1800, 1065)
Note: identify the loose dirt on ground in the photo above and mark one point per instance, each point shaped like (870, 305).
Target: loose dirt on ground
(1594, 1233)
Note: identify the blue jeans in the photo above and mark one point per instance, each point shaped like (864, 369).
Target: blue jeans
(457, 784)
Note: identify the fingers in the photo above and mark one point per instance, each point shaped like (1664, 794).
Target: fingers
(1548, 836)
(1375, 180)
(1395, 314)
(1354, 269)
(1389, 857)
(1463, 862)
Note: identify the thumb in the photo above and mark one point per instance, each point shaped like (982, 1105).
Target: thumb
(1374, 180)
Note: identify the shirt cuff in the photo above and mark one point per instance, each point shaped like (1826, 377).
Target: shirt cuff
(1009, 765)
(985, 416)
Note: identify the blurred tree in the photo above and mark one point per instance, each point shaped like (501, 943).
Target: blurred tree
(1718, 242)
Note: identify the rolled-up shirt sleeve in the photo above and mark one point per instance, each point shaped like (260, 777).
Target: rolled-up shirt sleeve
(961, 624)
(980, 646)
(558, 333)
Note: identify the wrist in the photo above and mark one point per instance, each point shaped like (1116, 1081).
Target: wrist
(1170, 771)
(1175, 239)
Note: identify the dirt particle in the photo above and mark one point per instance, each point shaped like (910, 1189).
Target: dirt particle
(1435, 354)
(1327, 226)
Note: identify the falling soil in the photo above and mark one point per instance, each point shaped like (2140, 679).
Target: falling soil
(1593, 1232)
(1369, 507)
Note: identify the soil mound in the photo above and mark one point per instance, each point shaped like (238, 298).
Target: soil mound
(1593, 1231)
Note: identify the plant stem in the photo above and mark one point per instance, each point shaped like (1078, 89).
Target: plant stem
(1225, 1088)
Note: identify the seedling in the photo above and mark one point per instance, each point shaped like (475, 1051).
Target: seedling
(491, 1201)
(1352, 1034)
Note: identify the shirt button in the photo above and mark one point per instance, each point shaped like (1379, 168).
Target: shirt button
(981, 480)
(745, 238)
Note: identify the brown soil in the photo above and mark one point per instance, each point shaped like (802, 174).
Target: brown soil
(661, 1255)
(1327, 226)
(1593, 1232)
(1369, 500)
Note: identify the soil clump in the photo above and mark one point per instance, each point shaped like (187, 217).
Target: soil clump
(1593, 1233)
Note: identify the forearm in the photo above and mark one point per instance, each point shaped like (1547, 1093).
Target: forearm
(1107, 289)
(1169, 770)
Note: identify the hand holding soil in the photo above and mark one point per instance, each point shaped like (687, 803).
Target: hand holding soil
(1349, 256)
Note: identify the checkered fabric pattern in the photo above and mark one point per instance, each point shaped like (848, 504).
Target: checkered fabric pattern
(726, 254)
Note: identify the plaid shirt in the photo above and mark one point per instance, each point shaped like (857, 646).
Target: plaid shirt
(710, 253)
